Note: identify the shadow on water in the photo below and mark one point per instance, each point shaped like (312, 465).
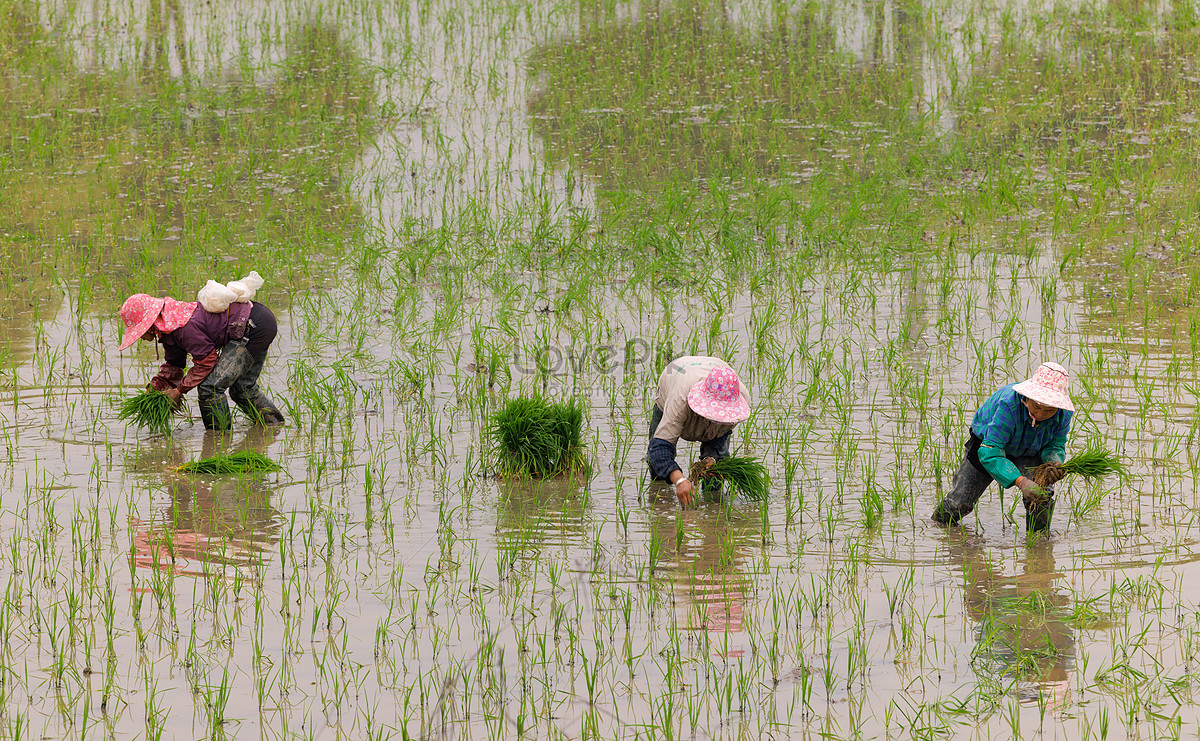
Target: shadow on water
(217, 521)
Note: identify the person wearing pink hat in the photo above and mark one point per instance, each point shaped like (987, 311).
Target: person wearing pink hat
(1017, 429)
(228, 351)
(700, 399)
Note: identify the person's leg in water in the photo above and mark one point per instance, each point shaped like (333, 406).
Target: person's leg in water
(261, 330)
(246, 393)
(1040, 511)
(234, 361)
(967, 486)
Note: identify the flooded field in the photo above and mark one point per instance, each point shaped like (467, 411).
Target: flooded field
(878, 212)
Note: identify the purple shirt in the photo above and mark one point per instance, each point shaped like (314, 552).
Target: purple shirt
(203, 333)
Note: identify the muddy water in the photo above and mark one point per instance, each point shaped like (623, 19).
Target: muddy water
(501, 227)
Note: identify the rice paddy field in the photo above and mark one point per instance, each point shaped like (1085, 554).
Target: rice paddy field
(878, 211)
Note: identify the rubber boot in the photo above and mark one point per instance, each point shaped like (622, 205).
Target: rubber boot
(943, 516)
(261, 410)
(1038, 515)
(214, 410)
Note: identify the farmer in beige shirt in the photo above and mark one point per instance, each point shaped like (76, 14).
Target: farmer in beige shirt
(699, 399)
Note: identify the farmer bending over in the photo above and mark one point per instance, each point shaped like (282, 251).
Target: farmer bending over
(228, 350)
(699, 399)
(1021, 426)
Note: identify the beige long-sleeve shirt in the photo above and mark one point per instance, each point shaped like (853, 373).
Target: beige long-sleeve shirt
(678, 420)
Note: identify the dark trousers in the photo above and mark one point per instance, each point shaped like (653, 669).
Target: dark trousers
(969, 484)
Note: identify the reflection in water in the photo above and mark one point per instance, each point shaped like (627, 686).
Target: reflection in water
(703, 548)
(220, 520)
(1023, 623)
(111, 192)
(161, 17)
(535, 514)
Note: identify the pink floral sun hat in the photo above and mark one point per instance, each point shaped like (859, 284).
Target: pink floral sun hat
(719, 397)
(140, 312)
(1049, 386)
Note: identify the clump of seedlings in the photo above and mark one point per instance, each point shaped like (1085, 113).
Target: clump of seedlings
(536, 438)
(150, 409)
(738, 475)
(1093, 463)
(240, 462)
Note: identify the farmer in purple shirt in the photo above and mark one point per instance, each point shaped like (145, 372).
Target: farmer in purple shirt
(1018, 428)
(227, 349)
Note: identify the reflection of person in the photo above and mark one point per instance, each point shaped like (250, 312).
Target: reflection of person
(699, 399)
(707, 557)
(1018, 428)
(223, 520)
(228, 351)
(1022, 620)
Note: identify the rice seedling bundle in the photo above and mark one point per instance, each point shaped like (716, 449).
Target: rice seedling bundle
(743, 476)
(241, 462)
(532, 437)
(1094, 463)
(150, 409)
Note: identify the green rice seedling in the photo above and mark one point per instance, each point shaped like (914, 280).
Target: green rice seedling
(1093, 463)
(536, 438)
(240, 462)
(745, 476)
(150, 409)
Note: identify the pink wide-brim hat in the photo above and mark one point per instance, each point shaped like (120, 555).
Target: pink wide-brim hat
(719, 397)
(1050, 385)
(139, 312)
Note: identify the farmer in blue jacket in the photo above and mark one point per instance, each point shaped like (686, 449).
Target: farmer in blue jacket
(1018, 428)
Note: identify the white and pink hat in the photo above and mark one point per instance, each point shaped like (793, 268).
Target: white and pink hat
(1049, 386)
(719, 397)
(140, 312)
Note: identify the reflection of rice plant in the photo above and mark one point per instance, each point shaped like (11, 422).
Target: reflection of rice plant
(240, 462)
(537, 438)
(151, 409)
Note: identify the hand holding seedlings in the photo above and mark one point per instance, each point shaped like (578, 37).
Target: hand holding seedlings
(700, 399)
(151, 409)
(228, 348)
(176, 398)
(1020, 427)
(683, 488)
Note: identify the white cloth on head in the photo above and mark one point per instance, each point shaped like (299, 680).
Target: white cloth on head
(216, 298)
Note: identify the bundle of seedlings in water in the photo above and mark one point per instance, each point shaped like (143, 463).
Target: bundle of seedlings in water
(231, 463)
(739, 476)
(535, 438)
(1094, 463)
(150, 408)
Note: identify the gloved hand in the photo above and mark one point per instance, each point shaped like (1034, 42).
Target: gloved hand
(176, 397)
(1030, 491)
(1054, 473)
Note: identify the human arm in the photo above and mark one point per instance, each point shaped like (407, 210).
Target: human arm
(1055, 451)
(995, 461)
(199, 371)
(661, 459)
(168, 377)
